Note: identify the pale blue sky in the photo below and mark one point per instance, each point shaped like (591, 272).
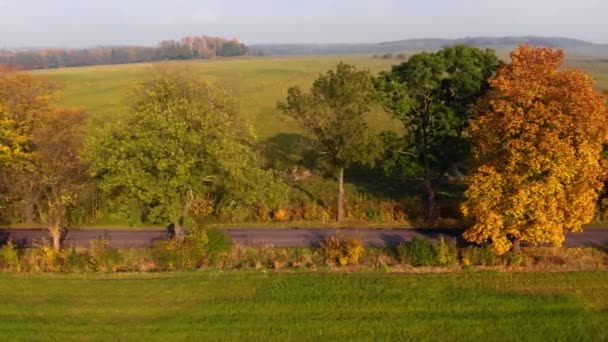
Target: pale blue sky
(120, 22)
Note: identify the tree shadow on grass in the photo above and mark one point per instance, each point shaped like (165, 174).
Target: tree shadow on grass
(287, 150)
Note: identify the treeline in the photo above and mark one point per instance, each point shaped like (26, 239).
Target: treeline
(191, 47)
(525, 141)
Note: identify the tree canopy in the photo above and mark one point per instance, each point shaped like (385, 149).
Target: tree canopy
(183, 139)
(333, 113)
(539, 135)
(432, 94)
(58, 173)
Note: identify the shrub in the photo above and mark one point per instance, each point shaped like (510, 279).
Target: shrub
(303, 257)
(166, 254)
(341, 251)
(447, 252)
(258, 257)
(218, 246)
(363, 207)
(75, 261)
(233, 212)
(101, 257)
(515, 259)
(480, 256)
(9, 258)
(200, 247)
(373, 215)
(419, 252)
(315, 212)
(280, 215)
(43, 257)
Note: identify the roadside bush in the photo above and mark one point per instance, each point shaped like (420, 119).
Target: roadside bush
(315, 212)
(515, 259)
(218, 246)
(281, 215)
(76, 261)
(233, 212)
(43, 258)
(362, 207)
(101, 257)
(419, 252)
(256, 257)
(304, 257)
(200, 247)
(478, 256)
(413, 207)
(379, 257)
(167, 255)
(577, 258)
(9, 258)
(337, 250)
(447, 252)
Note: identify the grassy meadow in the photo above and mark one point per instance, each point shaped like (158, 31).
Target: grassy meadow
(246, 305)
(257, 83)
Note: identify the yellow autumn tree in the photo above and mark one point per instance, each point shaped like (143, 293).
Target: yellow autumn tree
(24, 98)
(538, 137)
(40, 167)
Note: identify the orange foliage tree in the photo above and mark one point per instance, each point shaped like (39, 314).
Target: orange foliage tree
(538, 136)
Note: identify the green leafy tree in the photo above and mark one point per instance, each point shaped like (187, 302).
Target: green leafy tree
(333, 113)
(182, 140)
(232, 48)
(432, 95)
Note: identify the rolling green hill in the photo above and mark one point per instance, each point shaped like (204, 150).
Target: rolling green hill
(257, 83)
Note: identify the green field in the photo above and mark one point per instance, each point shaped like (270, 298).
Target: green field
(257, 83)
(242, 305)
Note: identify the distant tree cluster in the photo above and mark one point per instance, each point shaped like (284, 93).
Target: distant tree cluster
(388, 55)
(191, 47)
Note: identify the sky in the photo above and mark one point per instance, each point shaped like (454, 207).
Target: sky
(85, 23)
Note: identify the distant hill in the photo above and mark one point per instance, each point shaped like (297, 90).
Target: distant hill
(574, 46)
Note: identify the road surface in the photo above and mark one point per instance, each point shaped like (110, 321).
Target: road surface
(284, 237)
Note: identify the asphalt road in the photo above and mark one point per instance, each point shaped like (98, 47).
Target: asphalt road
(287, 237)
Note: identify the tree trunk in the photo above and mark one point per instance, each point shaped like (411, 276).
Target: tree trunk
(430, 211)
(28, 212)
(55, 233)
(178, 229)
(340, 214)
(516, 245)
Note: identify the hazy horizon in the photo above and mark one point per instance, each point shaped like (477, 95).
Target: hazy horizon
(73, 23)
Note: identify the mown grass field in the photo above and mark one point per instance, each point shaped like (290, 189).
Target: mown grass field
(243, 305)
(257, 83)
